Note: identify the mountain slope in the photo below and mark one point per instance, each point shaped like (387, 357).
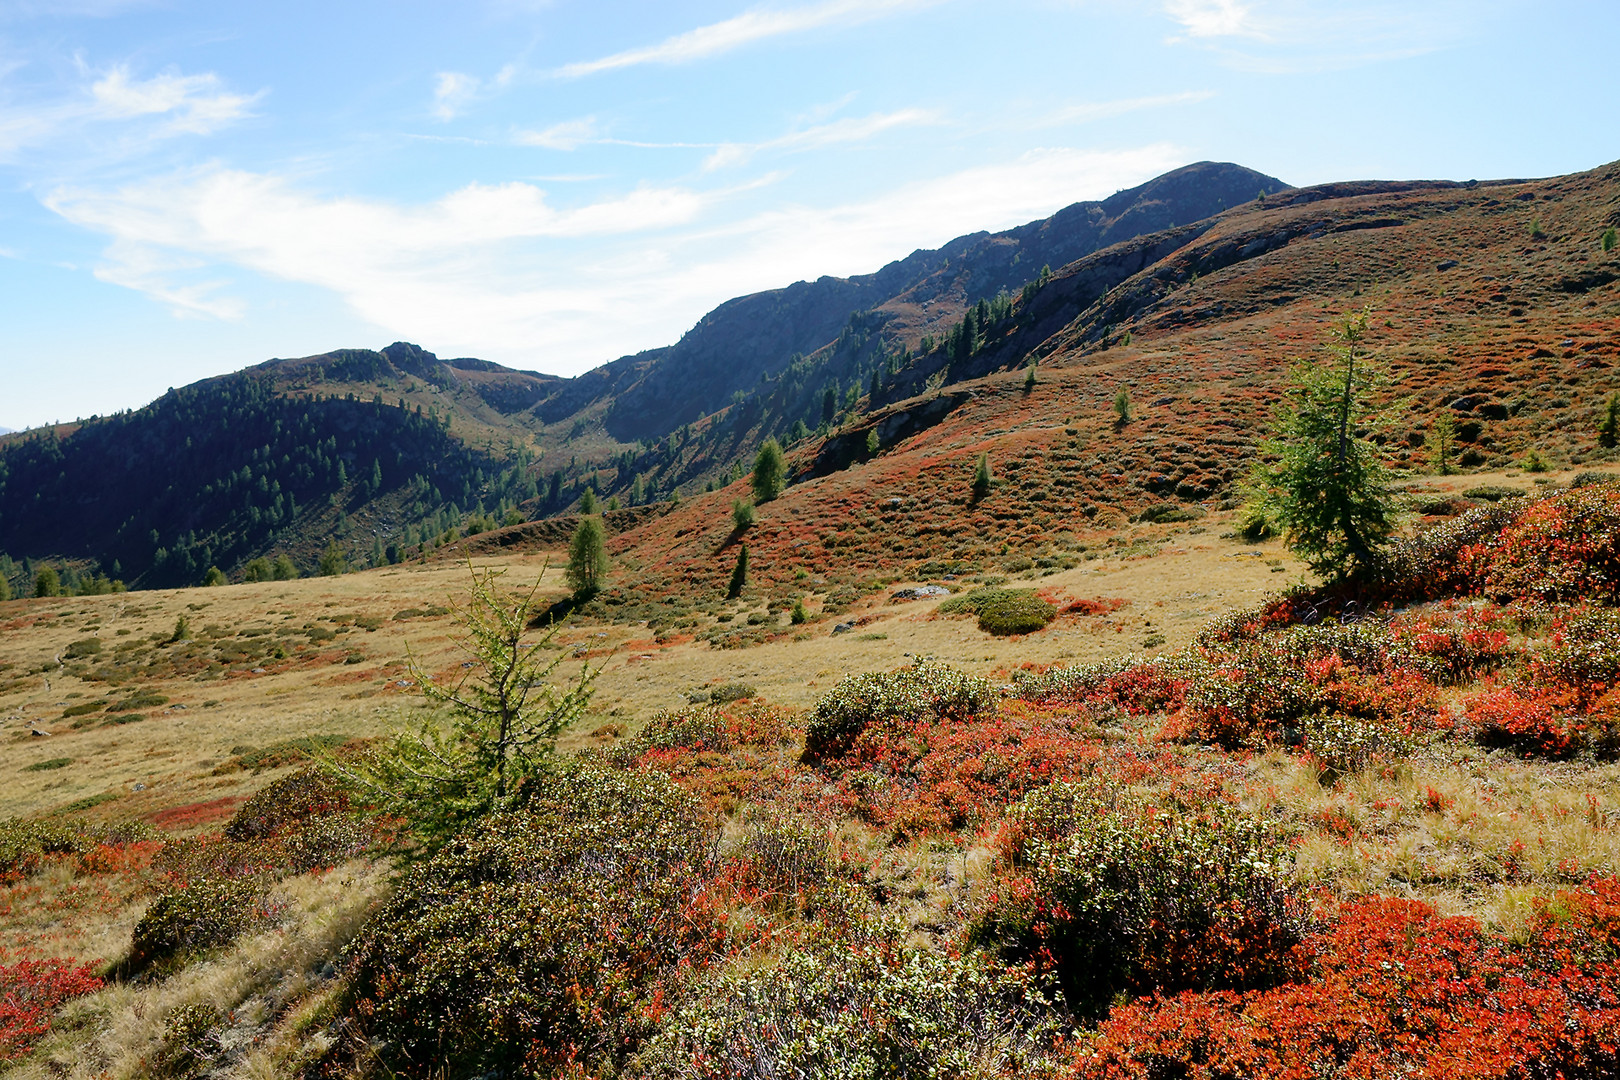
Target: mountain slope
(732, 346)
(1494, 303)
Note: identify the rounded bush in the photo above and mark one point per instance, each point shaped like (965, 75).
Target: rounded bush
(1019, 612)
(205, 915)
(288, 802)
(1113, 896)
(541, 942)
(858, 1013)
(923, 692)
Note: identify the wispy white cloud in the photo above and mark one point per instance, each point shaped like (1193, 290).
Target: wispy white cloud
(1294, 36)
(1214, 18)
(180, 105)
(1085, 111)
(850, 129)
(454, 91)
(154, 271)
(567, 135)
(744, 29)
(495, 270)
(193, 104)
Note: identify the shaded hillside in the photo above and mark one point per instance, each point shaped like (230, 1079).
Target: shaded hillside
(222, 471)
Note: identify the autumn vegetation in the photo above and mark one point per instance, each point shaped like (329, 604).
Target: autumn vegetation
(1363, 827)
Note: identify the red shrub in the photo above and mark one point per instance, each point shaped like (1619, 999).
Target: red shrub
(1561, 549)
(1539, 721)
(1399, 991)
(30, 992)
(194, 814)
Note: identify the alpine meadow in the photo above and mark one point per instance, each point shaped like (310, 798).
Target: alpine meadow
(1175, 638)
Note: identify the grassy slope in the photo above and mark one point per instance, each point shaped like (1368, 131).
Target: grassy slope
(1213, 351)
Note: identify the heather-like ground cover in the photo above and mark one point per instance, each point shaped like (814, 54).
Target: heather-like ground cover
(1181, 830)
(1354, 831)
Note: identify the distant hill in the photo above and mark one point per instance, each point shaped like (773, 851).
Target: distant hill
(371, 450)
(1496, 302)
(763, 334)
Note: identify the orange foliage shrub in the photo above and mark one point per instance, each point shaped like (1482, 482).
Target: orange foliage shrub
(1398, 991)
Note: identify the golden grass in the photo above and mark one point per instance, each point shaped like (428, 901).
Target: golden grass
(271, 983)
(1467, 831)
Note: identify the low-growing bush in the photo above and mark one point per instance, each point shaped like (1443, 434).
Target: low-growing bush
(1343, 745)
(1582, 653)
(1259, 689)
(30, 993)
(1020, 611)
(25, 844)
(925, 691)
(548, 941)
(141, 699)
(1543, 722)
(204, 915)
(1001, 611)
(287, 803)
(1562, 549)
(692, 728)
(1451, 644)
(1112, 895)
(1136, 685)
(190, 1039)
(859, 1013)
(1398, 991)
(783, 852)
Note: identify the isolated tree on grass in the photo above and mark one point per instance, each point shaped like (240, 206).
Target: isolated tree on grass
(770, 472)
(333, 561)
(587, 502)
(587, 558)
(1442, 442)
(506, 715)
(742, 514)
(981, 477)
(1122, 407)
(1326, 487)
(1609, 430)
(46, 583)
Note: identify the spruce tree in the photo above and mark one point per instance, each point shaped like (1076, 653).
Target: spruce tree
(587, 559)
(770, 472)
(507, 711)
(739, 574)
(333, 561)
(1327, 487)
(981, 477)
(1609, 431)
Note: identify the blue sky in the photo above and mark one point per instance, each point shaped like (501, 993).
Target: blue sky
(187, 188)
